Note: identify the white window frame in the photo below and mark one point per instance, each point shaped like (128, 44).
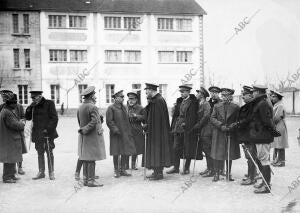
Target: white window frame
(109, 91)
(132, 23)
(55, 22)
(16, 57)
(78, 56)
(81, 87)
(54, 53)
(15, 23)
(137, 56)
(116, 58)
(23, 94)
(187, 57)
(27, 62)
(112, 22)
(55, 93)
(77, 22)
(162, 60)
(26, 23)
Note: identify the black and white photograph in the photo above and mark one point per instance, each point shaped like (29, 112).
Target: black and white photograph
(155, 106)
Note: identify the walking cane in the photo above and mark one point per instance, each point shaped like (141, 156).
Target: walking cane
(145, 153)
(48, 154)
(263, 178)
(196, 155)
(228, 156)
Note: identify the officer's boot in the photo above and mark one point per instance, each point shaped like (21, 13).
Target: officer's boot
(91, 175)
(41, 162)
(116, 166)
(51, 165)
(266, 170)
(175, 169)
(210, 172)
(216, 175)
(123, 172)
(20, 169)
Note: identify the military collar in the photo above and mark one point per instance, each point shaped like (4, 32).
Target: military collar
(88, 101)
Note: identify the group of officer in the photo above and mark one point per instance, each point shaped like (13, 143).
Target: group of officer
(215, 127)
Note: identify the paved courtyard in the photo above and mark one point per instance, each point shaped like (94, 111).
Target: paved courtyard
(133, 194)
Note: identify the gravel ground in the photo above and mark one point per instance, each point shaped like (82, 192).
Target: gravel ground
(133, 194)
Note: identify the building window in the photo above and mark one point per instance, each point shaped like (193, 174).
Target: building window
(77, 21)
(166, 56)
(132, 23)
(163, 90)
(27, 58)
(15, 18)
(57, 21)
(184, 56)
(132, 56)
(58, 55)
(78, 55)
(55, 96)
(137, 88)
(16, 58)
(184, 24)
(114, 56)
(26, 23)
(112, 22)
(23, 94)
(110, 90)
(81, 87)
(165, 23)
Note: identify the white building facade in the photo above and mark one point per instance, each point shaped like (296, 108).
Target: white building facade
(115, 47)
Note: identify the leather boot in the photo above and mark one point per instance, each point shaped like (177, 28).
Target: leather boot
(210, 173)
(133, 162)
(124, 163)
(51, 165)
(41, 162)
(216, 176)
(20, 170)
(91, 175)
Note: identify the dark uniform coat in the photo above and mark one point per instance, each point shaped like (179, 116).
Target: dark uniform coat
(91, 146)
(136, 127)
(190, 119)
(158, 128)
(224, 114)
(120, 134)
(11, 136)
(261, 126)
(44, 117)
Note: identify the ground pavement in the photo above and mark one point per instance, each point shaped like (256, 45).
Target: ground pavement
(176, 193)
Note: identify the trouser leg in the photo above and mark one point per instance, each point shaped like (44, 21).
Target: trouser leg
(91, 170)
(78, 166)
(187, 163)
(8, 170)
(116, 162)
(85, 171)
(19, 164)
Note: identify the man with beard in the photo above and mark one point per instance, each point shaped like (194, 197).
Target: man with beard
(44, 117)
(136, 116)
(203, 129)
(91, 146)
(121, 139)
(158, 152)
(185, 140)
(224, 143)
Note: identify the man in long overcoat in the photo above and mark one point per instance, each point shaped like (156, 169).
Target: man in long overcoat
(204, 130)
(44, 117)
(158, 150)
(136, 117)
(91, 146)
(224, 114)
(280, 143)
(185, 140)
(121, 138)
(11, 128)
